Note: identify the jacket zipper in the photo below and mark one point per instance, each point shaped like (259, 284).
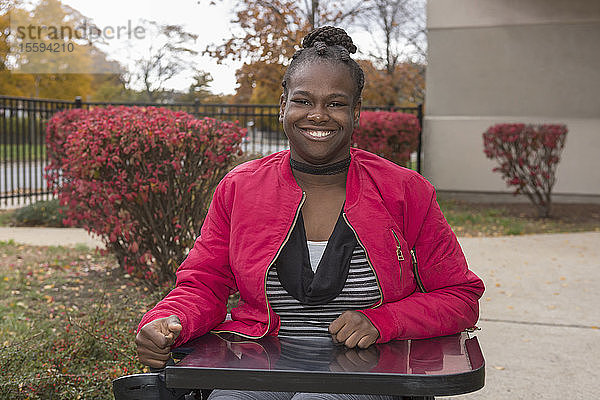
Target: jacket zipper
(413, 255)
(368, 261)
(398, 247)
(287, 237)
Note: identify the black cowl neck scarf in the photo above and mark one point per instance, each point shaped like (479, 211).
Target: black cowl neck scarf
(298, 278)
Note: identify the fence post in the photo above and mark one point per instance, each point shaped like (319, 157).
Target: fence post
(420, 144)
(78, 102)
(196, 107)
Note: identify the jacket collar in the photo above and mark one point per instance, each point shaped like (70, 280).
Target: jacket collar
(353, 187)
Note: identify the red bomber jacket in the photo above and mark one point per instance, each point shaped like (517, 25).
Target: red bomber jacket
(391, 210)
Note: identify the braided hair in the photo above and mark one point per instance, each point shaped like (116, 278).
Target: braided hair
(326, 44)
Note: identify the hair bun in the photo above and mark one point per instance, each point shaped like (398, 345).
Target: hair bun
(331, 36)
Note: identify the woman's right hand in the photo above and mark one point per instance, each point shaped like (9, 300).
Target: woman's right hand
(155, 339)
(355, 359)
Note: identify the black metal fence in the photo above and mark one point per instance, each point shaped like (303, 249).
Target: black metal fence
(23, 126)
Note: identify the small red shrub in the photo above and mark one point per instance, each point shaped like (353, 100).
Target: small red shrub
(140, 178)
(528, 156)
(392, 135)
(60, 126)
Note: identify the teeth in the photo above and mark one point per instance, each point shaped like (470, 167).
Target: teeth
(319, 133)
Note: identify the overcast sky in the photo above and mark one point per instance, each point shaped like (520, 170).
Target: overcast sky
(210, 22)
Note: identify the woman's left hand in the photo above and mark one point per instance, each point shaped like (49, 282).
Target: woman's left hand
(353, 329)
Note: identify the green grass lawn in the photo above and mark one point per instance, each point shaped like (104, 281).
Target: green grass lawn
(68, 318)
(474, 219)
(22, 152)
(487, 222)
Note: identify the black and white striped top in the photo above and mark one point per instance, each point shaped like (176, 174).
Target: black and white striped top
(297, 319)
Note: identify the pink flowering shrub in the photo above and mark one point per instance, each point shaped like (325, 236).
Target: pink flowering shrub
(392, 135)
(140, 178)
(60, 126)
(528, 156)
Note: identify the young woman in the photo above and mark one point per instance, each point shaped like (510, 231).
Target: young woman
(320, 240)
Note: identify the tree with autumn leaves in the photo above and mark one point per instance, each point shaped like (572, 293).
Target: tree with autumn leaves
(34, 74)
(267, 34)
(272, 29)
(396, 75)
(47, 85)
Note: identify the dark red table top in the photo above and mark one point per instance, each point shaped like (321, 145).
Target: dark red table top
(439, 366)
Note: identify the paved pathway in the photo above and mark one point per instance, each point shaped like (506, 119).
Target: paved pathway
(50, 236)
(539, 315)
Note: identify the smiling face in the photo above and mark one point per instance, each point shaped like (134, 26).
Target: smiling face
(319, 112)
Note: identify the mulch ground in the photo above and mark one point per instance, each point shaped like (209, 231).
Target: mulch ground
(568, 213)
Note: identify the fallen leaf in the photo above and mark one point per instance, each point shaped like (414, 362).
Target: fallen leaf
(499, 367)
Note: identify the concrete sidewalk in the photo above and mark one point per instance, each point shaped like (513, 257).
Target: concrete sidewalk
(50, 236)
(539, 315)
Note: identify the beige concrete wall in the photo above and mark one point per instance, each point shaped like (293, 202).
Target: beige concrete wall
(461, 165)
(444, 14)
(493, 61)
